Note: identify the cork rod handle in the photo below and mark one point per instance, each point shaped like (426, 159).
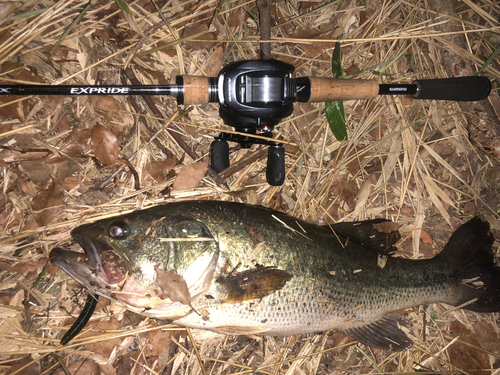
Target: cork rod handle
(330, 89)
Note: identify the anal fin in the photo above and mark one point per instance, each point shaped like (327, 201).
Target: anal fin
(384, 334)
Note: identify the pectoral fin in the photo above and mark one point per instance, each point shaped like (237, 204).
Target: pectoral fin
(251, 284)
(383, 334)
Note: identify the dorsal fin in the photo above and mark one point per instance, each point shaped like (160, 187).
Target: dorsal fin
(379, 235)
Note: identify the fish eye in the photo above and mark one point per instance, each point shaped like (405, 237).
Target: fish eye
(118, 230)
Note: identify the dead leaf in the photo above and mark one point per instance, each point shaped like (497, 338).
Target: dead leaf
(105, 145)
(195, 28)
(38, 171)
(387, 227)
(29, 269)
(190, 176)
(425, 250)
(106, 103)
(236, 18)
(340, 339)
(487, 336)
(425, 237)
(75, 144)
(129, 16)
(159, 169)
(158, 341)
(83, 367)
(49, 203)
(173, 286)
(464, 356)
(17, 110)
(70, 183)
(105, 347)
(214, 63)
(311, 50)
(32, 369)
(254, 235)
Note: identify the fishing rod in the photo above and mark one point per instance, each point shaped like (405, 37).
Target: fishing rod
(255, 95)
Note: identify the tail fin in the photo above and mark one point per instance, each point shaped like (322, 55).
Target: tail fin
(469, 251)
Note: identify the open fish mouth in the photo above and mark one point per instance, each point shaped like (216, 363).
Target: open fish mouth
(100, 266)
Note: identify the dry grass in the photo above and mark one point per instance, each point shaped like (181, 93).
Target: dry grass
(407, 160)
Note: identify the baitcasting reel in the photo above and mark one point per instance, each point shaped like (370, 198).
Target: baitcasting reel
(255, 95)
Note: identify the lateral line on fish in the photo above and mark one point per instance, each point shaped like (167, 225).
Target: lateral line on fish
(187, 239)
(290, 228)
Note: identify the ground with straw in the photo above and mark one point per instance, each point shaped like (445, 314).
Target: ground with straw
(65, 161)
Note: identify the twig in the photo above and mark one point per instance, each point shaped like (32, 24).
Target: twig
(265, 27)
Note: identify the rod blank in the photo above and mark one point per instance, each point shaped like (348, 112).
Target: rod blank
(172, 90)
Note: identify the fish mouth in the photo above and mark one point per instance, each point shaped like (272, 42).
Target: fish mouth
(100, 266)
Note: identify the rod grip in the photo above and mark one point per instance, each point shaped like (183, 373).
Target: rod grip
(196, 89)
(331, 89)
(457, 89)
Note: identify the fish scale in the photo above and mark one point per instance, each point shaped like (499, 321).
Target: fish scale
(258, 271)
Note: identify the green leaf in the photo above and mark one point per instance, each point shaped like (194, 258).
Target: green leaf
(254, 17)
(71, 27)
(335, 110)
(488, 61)
(129, 16)
(124, 6)
(336, 119)
(336, 63)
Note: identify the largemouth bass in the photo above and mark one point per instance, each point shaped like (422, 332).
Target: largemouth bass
(240, 269)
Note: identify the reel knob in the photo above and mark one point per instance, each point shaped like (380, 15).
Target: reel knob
(219, 155)
(275, 171)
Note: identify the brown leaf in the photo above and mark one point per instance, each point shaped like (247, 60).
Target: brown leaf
(190, 176)
(105, 145)
(76, 142)
(387, 227)
(340, 339)
(158, 341)
(106, 103)
(32, 369)
(17, 110)
(464, 356)
(487, 336)
(311, 50)
(159, 169)
(38, 171)
(195, 28)
(49, 203)
(214, 63)
(105, 347)
(31, 267)
(236, 18)
(83, 367)
(173, 286)
(254, 235)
